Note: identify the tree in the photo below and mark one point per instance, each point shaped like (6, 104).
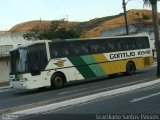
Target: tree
(156, 31)
(58, 30)
(33, 34)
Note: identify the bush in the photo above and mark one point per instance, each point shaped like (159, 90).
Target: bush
(137, 13)
(146, 17)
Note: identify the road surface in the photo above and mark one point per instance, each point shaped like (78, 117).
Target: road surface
(140, 104)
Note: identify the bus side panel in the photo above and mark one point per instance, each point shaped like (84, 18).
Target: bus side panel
(82, 67)
(93, 65)
(65, 66)
(109, 67)
(143, 62)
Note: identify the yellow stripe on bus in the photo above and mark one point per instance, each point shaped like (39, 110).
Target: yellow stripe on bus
(101, 59)
(110, 67)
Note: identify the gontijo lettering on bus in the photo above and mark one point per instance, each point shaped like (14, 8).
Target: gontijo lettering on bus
(128, 54)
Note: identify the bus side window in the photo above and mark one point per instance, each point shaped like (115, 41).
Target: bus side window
(102, 46)
(54, 53)
(130, 42)
(93, 47)
(139, 44)
(74, 48)
(146, 42)
(55, 49)
(97, 46)
(125, 44)
(133, 46)
(64, 49)
(66, 52)
(118, 46)
(84, 48)
(76, 51)
(38, 56)
(110, 46)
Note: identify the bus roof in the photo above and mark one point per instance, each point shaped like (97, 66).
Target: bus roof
(95, 38)
(29, 44)
(73, 39)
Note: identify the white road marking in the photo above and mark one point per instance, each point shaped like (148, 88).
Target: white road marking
(62, 93)
(102, 89)
(145, 97)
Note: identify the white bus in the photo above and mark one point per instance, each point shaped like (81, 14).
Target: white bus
(53, 63)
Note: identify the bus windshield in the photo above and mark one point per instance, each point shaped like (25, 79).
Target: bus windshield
(19, 62)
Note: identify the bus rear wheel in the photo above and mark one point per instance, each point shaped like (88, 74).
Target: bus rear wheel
(130, 68)
(57, 81)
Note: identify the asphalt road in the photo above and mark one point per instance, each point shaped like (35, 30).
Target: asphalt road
(13, 100)
(141, 104)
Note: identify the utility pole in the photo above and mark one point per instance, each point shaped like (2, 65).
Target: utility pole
(156, 33)
(125, 16)
(156, 30)
(41, 25)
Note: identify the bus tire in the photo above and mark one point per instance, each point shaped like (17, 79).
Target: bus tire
(57, 81)
(130, 68)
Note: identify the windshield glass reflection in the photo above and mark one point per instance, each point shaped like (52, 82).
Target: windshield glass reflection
(22, 65)
(19, 62)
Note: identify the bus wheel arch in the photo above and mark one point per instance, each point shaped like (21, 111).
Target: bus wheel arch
(130, 68)
(58, 79)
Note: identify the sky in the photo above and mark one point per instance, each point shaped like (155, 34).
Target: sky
(13, 12)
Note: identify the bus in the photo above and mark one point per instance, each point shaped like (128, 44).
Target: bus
(55, 62)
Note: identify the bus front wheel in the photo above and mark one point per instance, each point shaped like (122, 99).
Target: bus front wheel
(57, 81)
(130, 68)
